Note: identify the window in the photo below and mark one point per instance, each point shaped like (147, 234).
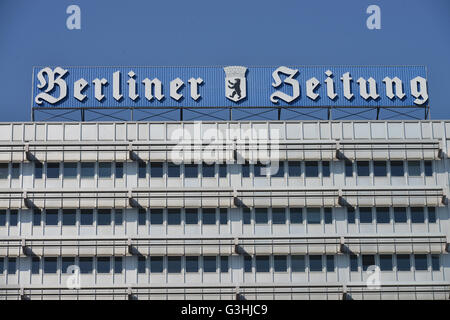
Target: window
(296, 215)
(190, 171)
(156, 264)
(328, 215)
(298, 263)
(294, 168)
(50, 265)
(209, 216)
(431, 215)
(348, 169)
(52, 170)
(15, 170)
(397, 169)
(35, 265)
(383, 215)
(223, 216)
(353, 262)
(363, 168)
(70, 170)
(313, 215)
(278, 216)
(435, 264)
(222, 170)
(246, 216)
(66, 262)
(351, 216)
(420, 262)
(13, 217)
(399, 215)
(118, 265)
(414, 168)
(428, 168)
(173, 216)
(325, 168)
(142, 217)
(417, 215)
(69, 217)
(403, 262)
(173, 170)
(280, 263)
(224, 264)
(103, 265)
(209, 264)
(262, 264)
(87, 170)
(315, 263)
(379, 169)
(156, 169)
(246, 170)
(311, 169)
(118, 217)
(330, 263)
(142, 170)
(4, 171)
(104, 169)
(174, 264)
(2, 218)
(191, 216)
(86, 265)
(2, 266)
(367, 261)
(365, 215)
(38, 170)
(86, 217)
(279, 173)
(51, 217)
(156, 216)
(191, 264)
(208, 170)
(37, 217)
(103, 217)
(247, 263)
(119, 170)
(141, 267)
(12, 265)
(385, 262)
(257, 168)
(261, 216)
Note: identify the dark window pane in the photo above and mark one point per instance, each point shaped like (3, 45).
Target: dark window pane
(315, 263)
(280, 172)
(141, 264)
(383, 215)
(431, 215)
(351, 216)
(87, 169)
(118, 217)
(262, 264)
(224, 264)
(12, 265)
(348, 169)
(191, 216)
(386, 262)
(173, 170)
(156, 264)
(313, 215)
(69, 217)
(103, 217)
(222, 170)
(247, 263)
(38, 170)
(435, 264)
(191, 171)
(278, 216)
(246, 170)
(66, 262)
(428, 168)
(15, 170)
(330, 263)
(208, 170)
(191, 264)
(403, 262)
(367, 260)
(363, 168)
(86, 265)
(86, 217)
(223, 216)
(156, 216)
(52, 170)
(142, 170)
(50, 265)
(119, 170)
(2, 218)
(2, 265)
(328, 215)
(261, 215)
(4, 171)
(37, 217)
(294, 168)
(105, 169)
(13, 217)
(247, 217)
(174, 216)
(103, 265)
(417, 215)
(209, 264)
(209, 216)
(35, 265)
(70, 169)
(311, 169)
(142, 217)
(365, 215)
(400, 215)
(51, 217)
(414, 168)
(379, 168)
(258, 169)
(280, 263)
(296, 215)
(397, 169)
(420, 262)
(325, 168)
(353, 262)
(298, 263)
(174, 264)
(118, 265)
(156, 169)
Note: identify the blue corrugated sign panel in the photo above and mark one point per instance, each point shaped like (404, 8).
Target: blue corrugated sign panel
(307, 86)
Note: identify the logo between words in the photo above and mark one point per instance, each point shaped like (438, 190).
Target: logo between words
(235, 83)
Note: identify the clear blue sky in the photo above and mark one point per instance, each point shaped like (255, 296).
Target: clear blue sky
(228, 32)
